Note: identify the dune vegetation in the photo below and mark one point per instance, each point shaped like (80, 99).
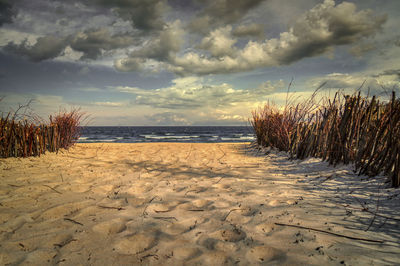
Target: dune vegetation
(348, 129)
(27, 135)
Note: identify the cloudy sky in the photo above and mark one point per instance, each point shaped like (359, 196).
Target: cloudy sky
(191, 62)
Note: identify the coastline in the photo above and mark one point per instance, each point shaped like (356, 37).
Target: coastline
(190, 203)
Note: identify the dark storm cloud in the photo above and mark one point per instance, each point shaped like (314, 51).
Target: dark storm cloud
(145, 15)
(329, 25)
(253, 29)
(221, 12)
(168, 118)
(47, 47)
(318, 31)
(7, 12)
(91, 43)
(162, 47)
(390, 72)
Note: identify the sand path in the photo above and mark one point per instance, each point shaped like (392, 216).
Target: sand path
(190, 204)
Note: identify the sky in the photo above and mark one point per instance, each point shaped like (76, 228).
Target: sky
(191, 62)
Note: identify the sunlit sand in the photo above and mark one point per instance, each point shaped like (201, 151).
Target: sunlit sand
(193, 204)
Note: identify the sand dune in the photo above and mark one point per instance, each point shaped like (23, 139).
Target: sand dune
(191, 204)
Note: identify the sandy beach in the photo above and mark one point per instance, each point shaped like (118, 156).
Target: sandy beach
(192, 204)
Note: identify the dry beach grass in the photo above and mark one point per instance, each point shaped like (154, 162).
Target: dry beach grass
(191, 204)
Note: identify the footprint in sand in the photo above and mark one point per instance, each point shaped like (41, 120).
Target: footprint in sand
(230, 235)
(266, 227)
(248, 211)
(201, 203)
(140, 188)
(198, 204)
(135, 244)
(265, 254)
(221, 186)
(160, 207)
(183, 226)
(38, 257)
(214, 258)
(102, 189)
(15, 224)
(291, 202)
(8, 258)
(110, 227)
(185, 252)
(274, 203)
(112, 203)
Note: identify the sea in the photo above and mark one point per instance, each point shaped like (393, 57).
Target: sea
(205, 134)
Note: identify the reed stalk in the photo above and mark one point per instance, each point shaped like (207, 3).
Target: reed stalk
(347, 129)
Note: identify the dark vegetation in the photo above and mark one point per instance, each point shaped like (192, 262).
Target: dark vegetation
(348, 129)
(23, 135)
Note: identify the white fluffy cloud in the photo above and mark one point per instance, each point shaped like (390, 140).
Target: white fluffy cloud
(219, 42)
(316, 32)
(168, 45)
(246, 30)
(162, 47)
(191, 93)
(378, 84)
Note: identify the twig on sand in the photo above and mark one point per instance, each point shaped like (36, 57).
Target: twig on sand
(364, 209)
(73, 221)
(190, 151)
(331, 233)
(60, 245)
(374, 217)
(226, 216)
(12, 185)
(110, 207)
(155, 256)
(224, 154)
(53, 189)
(165, 218)
(193, 190)
(218, 180)
(147, 205)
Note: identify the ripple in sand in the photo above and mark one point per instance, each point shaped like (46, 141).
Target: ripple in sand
(110, 227)
(135, 244)
(264, 254)
(63, 210)
(102, 189)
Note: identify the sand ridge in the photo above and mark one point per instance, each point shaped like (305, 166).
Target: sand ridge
(189, 204)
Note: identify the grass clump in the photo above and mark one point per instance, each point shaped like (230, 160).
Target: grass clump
(23, 136)
(347, 129)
